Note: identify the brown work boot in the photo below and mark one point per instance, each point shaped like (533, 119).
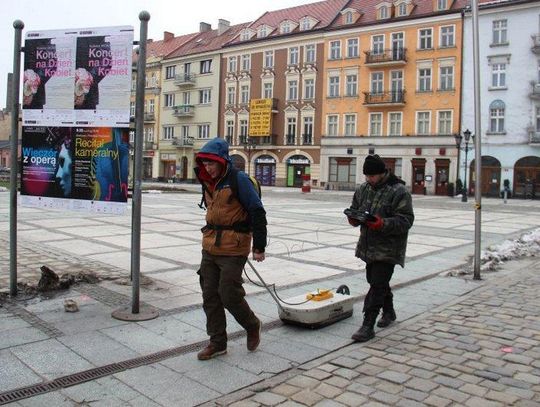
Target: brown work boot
(211, 351)
(254, 336)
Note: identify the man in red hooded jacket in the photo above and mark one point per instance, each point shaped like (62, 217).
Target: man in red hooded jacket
(232, 222)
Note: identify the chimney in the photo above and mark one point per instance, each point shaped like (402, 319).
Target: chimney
(204, 27)
(223, 25)
(167, 35)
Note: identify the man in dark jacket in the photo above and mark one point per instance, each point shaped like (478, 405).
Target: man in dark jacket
(383, 239)
(232, 219)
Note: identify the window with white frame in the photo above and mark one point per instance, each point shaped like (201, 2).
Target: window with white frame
(268, 59)
(290, 137)
(377, 44)
(342, 170)
(170, 72)
(425, 38)
(305, 24)
(229, 131)
(246, 62)
(203, 131)
(231, 64)
(244, 35)
(153, 80)
(500, 33)
(333, 86)
(307, 135)
(442, 5)
(206, 66)
(262, 32)
(168, 132)
(351, 85)
(150, 134)
(383, 13)
(169, 99)
(447, 36)
(348, 17)
(186, 98)
(310, 53)
(285, 27)
(244, 94)
(375, 124)
(292, 90)
(352, 48)
(446, 78)
(132, 108)
(309, 88)
(151, 106)
(184, 131)
(496, 116)
(205, 96)
(402, 9)
(424, 80)
(268, 90)
(394, 123)
(293, 56)
(335, 49)
(423, 123)
(243, 130)
(498, 75)
(350, 125)
(332, 125)
(377, 83)
(231, 95)
(444, 122)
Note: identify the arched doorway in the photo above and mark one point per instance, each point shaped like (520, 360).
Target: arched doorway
(238, 162)
(527, 177)
(297, 166)
(491, 176)
(265, 170)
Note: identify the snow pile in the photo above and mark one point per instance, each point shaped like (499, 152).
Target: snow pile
(528, 245)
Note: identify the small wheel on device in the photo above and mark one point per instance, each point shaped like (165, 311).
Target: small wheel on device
(343, 289)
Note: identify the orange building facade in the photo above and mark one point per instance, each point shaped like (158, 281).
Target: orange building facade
(392, 88)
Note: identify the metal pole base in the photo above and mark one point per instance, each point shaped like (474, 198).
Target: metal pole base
(145, 313)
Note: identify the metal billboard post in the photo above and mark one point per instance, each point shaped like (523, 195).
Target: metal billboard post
(135, 314)
(478, 143)
(14, 144)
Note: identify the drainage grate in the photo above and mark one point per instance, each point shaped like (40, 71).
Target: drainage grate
(107, 370)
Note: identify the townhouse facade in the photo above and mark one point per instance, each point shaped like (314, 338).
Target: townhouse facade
(509, 56)
(190, 99)
(278, 57)
(392, 88)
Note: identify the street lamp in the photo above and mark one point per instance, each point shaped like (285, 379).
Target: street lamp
(459, 138)
(249, 145)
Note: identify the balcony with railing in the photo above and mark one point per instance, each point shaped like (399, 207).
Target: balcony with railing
(536, 43)
(290, 139)
(535, 91)
(149, 117)
(307, 139)
(386, 57)
(184, 111)
(149, 145)
(259, 140)
(184, 79)
(374, 99)
(182, 141)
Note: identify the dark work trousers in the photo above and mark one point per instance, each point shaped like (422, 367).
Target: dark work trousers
(221, 284)
(378, 275)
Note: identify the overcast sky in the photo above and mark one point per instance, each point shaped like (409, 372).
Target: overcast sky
(177, 16)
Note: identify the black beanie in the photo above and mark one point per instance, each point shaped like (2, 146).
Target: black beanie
(374, 165)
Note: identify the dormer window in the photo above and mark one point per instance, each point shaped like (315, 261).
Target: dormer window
(402, 10)
(305, 24)
(348, 18)
(246, 34)
(442, 5)
(262, 31)
(383, 13)
(285, 27)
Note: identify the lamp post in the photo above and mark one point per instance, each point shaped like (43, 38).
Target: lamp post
(249, 145)
(459, 138)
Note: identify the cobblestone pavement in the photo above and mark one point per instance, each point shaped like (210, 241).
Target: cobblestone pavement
(481, 350)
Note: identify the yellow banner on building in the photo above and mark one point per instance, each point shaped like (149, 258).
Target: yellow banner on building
(260, 117)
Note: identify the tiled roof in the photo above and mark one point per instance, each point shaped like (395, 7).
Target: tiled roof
(207, 41)
(369, 11)
(161, 48)
(323, 11)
